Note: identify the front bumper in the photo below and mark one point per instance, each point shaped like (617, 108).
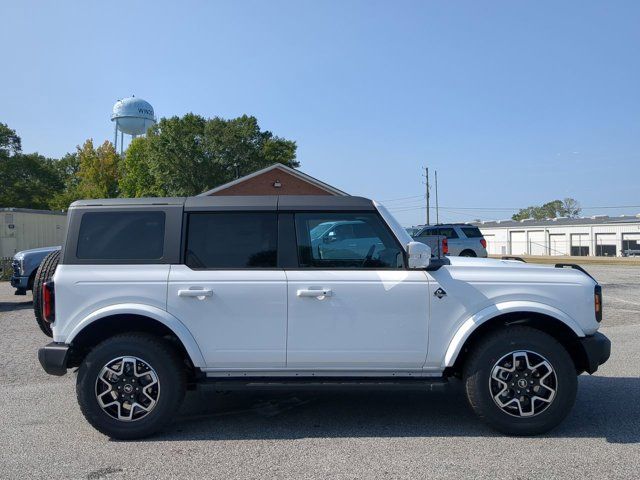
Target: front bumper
(54, 357)
(19, 282)
(597, 350)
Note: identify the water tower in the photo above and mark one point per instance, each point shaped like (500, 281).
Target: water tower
(132, 116)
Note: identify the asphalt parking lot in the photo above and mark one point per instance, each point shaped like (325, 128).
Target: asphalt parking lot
(340, 435)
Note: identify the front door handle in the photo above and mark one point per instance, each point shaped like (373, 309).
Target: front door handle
(318, 293)
(201, 293)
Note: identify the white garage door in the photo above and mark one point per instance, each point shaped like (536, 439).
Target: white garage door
(631, 244)
(606, 245)
(580, 244)
(558, 244)
(537, 243)
(518, 241)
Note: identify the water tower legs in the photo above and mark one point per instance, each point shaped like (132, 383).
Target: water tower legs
(115, 137)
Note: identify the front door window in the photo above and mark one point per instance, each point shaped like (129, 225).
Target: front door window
(346, 241)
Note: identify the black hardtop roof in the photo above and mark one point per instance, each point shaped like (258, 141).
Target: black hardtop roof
(118, 202)
(239, 202)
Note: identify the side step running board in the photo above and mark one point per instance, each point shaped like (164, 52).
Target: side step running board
(328, 383)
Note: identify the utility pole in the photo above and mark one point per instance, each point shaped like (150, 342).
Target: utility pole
(437, 209)
(426, 175)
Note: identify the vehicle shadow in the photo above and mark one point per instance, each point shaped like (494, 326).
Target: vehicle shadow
(606, 407)
(11, 306)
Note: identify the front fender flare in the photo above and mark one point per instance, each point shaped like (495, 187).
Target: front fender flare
(155, 313)
(467, 327)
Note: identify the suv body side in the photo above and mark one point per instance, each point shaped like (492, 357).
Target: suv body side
(327, 314)
(152, 295)
(463, 240)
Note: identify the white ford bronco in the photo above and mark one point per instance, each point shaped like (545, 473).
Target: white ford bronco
(153, 296)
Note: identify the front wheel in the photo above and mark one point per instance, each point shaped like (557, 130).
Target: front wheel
(131, 385)
(520, 381)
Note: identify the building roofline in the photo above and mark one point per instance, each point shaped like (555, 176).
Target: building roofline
(595, 220)
(31, 210)
(292, 171)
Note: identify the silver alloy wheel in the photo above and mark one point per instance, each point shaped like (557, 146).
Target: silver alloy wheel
(127, 388)
(523, 383)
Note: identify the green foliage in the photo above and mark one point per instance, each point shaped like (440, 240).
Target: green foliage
(89, 173)
(182, 156)
(30, 180)
(135, 175)
(98, 170)
(10, 143)
(556, 208)
(67, 168)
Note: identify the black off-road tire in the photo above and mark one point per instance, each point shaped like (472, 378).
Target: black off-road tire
(161, 356)
(45, 271)
(489, 350)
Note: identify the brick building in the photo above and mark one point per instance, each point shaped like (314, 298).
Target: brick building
(278, 179)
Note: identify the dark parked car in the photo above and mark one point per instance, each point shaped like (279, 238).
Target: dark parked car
(25, 264)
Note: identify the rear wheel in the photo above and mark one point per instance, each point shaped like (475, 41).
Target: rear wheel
(45, 271)
(520, 381)
(131, 385)
(468, 253)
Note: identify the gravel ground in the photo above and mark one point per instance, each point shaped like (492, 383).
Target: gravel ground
(341, 435)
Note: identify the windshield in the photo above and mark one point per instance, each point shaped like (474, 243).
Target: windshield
(400, 233)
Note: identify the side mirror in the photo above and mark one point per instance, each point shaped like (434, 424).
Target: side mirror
(419, 255)
(330, 237)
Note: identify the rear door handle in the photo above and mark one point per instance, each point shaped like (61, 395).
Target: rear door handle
(200, 293)
(319, 293)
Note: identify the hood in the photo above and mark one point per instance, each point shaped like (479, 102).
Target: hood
(512, 269)
(31, 251)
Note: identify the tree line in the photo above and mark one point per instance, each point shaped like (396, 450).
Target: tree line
(568, 207)
(179, 156)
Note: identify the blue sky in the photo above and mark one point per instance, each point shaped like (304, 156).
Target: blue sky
(514, 103)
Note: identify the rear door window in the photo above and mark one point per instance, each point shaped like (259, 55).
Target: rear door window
(428, 232)
(472, 232)
(224, 240)
(448, 232)
(121, 236)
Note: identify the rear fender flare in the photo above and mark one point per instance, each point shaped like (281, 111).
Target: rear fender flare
(155, 313)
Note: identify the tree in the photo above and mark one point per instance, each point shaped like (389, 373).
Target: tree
(571, 208)
(556, 208)
(10, 143)
(136, 179)
(67, 168)
(28, 180)
(182, 156)
(97, 170)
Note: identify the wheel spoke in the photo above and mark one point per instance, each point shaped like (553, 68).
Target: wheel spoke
(127, 388)
(523, 383)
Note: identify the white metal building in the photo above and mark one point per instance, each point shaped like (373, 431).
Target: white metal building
(22, 228)
(599, 235)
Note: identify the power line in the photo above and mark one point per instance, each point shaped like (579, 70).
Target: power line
(401, 198)
(506, 209)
